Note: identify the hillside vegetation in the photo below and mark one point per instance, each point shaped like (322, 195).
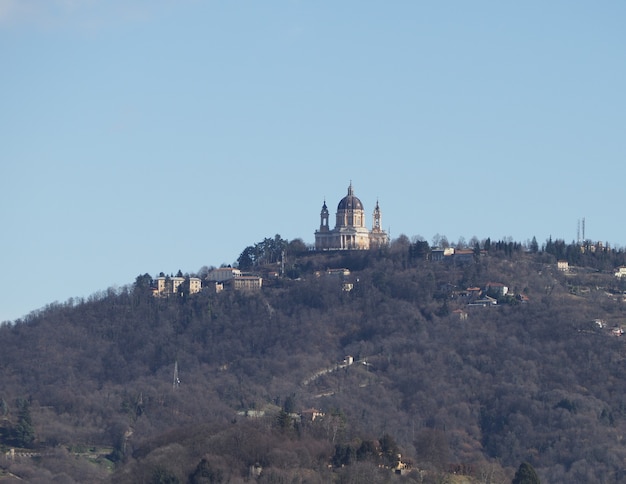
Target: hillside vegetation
(88, 385)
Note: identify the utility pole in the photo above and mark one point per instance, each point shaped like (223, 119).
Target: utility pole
(176, 383)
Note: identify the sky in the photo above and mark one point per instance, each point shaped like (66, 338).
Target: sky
(144, 136)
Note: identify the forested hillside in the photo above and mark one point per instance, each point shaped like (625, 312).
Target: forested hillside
(456, 389)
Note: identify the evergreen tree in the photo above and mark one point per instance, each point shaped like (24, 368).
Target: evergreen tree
(389, 449)
(206, 474)
(246, 259)
(283, 420)
(23, 433)
(525, 475)
(161, 475)
(290, 404)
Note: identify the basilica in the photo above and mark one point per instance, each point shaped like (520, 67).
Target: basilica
(350, 232)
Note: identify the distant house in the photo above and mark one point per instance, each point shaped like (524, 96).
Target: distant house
(338, 272)
(311, 414)
(484, 302)
(169, 285)
(496, 288)
(247, 283)
(469, 295)
(252, 413)
(464, 255)
(436, 254)
(341, 272)
(462, 315)
(176, 281)
(223, 274)
(562, 265)
(195, 285)
(439, 253)
(621, 272)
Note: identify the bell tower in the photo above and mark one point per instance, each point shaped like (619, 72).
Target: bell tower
(378, 237)
(324, 218)
(377, 219)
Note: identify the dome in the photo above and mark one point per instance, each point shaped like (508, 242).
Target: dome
(350, 201)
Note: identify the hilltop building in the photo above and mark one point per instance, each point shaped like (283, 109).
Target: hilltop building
(350, 232)
(223, 274)
(233, 278)
(169, 285)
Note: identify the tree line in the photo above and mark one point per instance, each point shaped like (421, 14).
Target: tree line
(507, 385)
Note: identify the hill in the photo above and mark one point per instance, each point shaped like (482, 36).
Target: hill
(327, 378)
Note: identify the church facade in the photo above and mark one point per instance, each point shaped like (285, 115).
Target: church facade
(350, 232)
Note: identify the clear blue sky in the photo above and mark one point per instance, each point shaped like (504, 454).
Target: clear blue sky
(148, 136)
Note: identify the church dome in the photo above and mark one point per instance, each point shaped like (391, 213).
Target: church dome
(350, 201)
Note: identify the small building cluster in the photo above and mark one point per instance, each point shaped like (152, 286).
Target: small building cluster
(229, 276)
(167, 285)
(452, 254)
(487, 296)
(217, 278)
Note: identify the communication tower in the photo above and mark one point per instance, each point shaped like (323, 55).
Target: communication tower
(581, 240)
(584, 238)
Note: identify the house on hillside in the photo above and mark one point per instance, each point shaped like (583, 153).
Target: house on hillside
(195, 285)
(169, 285)
(459, 313)
(436, 254)
(223, 274)
(247, 283)
(484, 302)
(339, 272)
(496, 288)
(562, 265)
(463, 255)
(342, 272)
(310, 414)
(439, 253)
(621, 272)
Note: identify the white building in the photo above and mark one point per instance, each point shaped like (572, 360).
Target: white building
(223, 274)
(621, 272)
